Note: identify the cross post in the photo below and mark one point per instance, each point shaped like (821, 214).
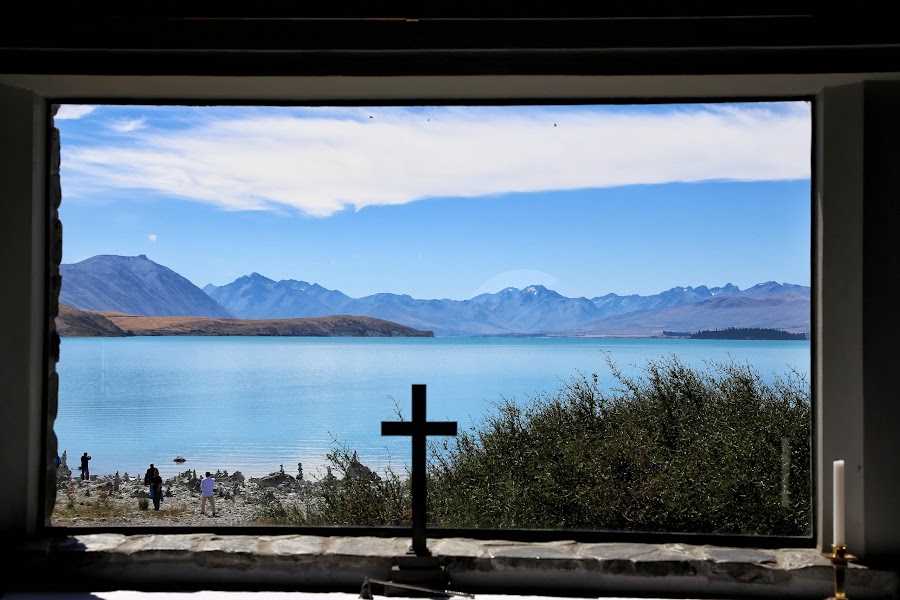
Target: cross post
(419, 428)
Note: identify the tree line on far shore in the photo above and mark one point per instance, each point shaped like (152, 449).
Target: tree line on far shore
(738, 333)
(679, 449)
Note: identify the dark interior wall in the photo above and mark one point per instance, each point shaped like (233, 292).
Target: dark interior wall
(611, 41)
(881, 326)
(838, 306)
(21, 306)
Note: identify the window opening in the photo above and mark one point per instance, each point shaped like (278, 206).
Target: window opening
(612, 301)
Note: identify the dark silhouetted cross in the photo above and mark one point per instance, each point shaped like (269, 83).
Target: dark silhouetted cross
(419, 429)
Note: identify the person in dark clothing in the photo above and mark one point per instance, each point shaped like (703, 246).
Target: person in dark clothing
(156, 491)
(85, 470)
(149, 474)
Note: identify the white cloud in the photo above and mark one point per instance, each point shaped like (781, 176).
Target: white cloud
(151, 237)
(127, 126)
(325, 161)
(74, 111)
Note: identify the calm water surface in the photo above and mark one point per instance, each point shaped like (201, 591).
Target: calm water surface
(251, 404)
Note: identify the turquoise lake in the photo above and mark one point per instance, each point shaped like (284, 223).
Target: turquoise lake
(252, 404)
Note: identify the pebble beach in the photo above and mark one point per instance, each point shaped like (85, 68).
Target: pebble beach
(123, 501)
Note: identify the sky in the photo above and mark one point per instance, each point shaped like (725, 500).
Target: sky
(446, 202)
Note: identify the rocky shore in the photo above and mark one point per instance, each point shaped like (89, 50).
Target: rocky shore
(123, 500)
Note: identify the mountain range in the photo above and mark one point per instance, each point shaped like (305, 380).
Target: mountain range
(139, 286)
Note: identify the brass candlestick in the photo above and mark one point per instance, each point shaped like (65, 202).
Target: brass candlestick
(839, 560)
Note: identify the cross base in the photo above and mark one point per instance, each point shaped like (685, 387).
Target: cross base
(419, 571)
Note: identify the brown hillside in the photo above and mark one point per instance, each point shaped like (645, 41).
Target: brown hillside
(333, 326)
(71, 322)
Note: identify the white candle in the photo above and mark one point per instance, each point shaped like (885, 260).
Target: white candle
(839, 503)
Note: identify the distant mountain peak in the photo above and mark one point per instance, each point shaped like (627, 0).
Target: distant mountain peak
(134, 285)
(540, 290)
(253, 277)
(113, 257)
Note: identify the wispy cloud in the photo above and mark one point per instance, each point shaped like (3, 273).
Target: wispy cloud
(74, 111)
(128, 125)
(151, 237)
(320, 161)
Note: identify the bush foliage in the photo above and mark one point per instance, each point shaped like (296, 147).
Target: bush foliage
(677, 449)
(346, 501)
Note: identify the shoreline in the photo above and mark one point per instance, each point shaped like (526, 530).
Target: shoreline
(110, 501)
(114, 500)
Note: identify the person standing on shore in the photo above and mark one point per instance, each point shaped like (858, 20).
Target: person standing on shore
(207, 488)
(156, 493)
(149, 474)
(85, 470)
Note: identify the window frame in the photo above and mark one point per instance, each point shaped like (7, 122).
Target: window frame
(847, 61)
(519, 534)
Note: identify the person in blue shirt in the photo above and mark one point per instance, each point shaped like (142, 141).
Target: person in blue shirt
(207, 489)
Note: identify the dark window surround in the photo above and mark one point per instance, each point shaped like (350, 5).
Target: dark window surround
(836, 49)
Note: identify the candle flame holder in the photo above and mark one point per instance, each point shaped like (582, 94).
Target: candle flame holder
(839, 560)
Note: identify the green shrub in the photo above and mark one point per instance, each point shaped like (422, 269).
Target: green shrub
(678, 450)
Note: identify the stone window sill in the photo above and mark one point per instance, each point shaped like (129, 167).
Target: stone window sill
(203, 561)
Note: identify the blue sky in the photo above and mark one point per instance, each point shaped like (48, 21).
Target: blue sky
(446, 202)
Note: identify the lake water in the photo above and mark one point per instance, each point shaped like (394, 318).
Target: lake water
(251, 404)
